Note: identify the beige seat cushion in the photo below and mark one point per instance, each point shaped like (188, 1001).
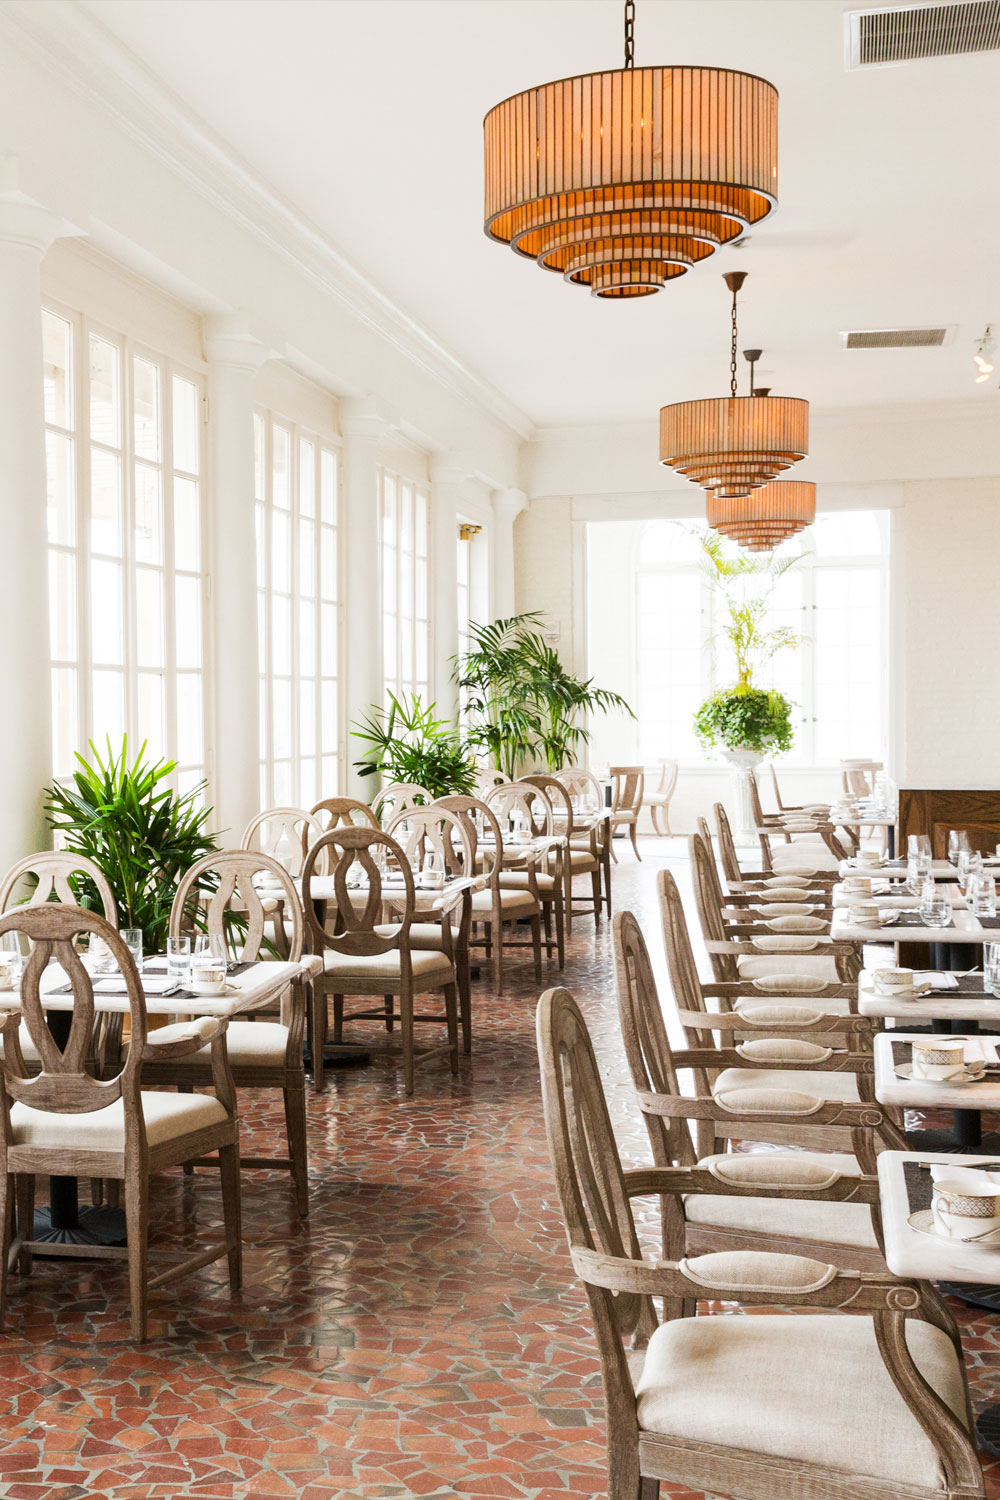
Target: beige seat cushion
(251, 1044)
(512, 904)
(824, 1085)
(422, 934)
(517, 880)
(848, 1224)
(582, 859)
(815, 965)
(806, 850)
(167, 1116)
(426, 965)
(809, 1389)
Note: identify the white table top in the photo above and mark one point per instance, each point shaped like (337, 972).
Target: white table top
(424, 900)
(944, 1006)
(941, 869)
(921, 1094)
(904, 900)
(964, 928)
(250, 990)
(909, 1253)
(855, 817)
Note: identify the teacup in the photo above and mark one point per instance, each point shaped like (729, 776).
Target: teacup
(937, 1058)
(865, 911)
(963, 1211)
(857, 885)
(867, 859)
(432, 880)
(894, 981)
(208, 979)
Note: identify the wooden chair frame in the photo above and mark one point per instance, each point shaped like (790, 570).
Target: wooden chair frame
(658, 800)
(738, 879)
(628, 787)
(303, 827)
(593, 842)
(360, 935)
(397, 797)
(506, 798)
(494, 942)
(64, 1086)
(596, 1193)
(340, 811)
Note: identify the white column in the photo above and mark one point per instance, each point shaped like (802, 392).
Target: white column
(364, 421)
(26, 231)
(507, 506)
(447, 482)
(235, 357)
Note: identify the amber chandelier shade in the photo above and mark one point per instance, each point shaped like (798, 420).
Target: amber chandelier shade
(731, 445)
(766, 518)
(624, 179)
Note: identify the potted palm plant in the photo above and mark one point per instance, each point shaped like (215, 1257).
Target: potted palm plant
(407, 742)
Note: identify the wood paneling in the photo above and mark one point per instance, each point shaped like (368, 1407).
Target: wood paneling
(935, 812)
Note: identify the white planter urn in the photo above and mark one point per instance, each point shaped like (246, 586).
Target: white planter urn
(742, 760)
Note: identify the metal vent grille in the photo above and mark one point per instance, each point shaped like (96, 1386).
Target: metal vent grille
(904, 33)
(894, 338)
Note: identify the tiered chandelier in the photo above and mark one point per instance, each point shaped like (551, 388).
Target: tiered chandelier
(731, 445)
(622, 180)
(763, 520)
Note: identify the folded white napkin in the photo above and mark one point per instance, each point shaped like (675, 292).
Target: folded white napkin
(980, 1049)
(153, 984)
(938, 979)
(970, 1177)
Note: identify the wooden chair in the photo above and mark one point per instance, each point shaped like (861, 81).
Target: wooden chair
(396, 798)
(263, 1053)
(587, 849)
(831, 1203)
(809, 809)
(658, 800)
(738, 878)
(285, 833)
(734, 1405)
(445, 830)
(515, 798)
(808, 840)
(746, 949)
(67, 1122)
(337, 812)
(487, 777)
(366, 957)
(628, 786)
(497, 904)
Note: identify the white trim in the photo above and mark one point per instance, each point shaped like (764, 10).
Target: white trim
(86, 57)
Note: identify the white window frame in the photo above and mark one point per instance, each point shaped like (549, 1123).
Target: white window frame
(82, 552)
(323, 747)
(396, 567)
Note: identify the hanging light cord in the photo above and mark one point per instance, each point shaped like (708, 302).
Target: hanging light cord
(630, 33)
(732, 354)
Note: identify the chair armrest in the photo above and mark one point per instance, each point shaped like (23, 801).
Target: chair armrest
(183, 1038)
(768, 1175)
(765, 1107)
(778, 1020)
(733, 1057)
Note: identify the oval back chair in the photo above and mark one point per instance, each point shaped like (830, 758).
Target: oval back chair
(285, 833)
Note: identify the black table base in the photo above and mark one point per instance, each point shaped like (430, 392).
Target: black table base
(95, 1225)
(988, 1425)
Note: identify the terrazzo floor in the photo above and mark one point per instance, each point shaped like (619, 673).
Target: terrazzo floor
(421, 1335)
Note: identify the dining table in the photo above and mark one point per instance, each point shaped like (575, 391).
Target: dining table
(966, 1099)
(968, 1271)
(867, 815)
(249, 987)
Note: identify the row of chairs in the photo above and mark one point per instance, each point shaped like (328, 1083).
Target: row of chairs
(874, 1404)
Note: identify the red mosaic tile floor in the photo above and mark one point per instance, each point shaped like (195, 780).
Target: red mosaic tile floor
(421, 1336)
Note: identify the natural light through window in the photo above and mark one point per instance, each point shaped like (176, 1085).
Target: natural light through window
(126, 551)
(405, 627)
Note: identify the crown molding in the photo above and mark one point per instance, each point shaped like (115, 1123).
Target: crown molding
(81, 52)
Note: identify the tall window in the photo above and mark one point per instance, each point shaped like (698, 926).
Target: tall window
(464, 575)
(835, 598)
(405, 630)
(297, 591)
(126, 555)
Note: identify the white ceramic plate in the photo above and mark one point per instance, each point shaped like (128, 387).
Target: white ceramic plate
(923, 1222)
(905, 1070)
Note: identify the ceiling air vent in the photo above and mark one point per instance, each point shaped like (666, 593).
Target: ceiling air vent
(894, 338)
(903, 33)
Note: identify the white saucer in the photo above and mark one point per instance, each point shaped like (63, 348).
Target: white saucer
(905, 1070)
(915, 992)
(923, 1222)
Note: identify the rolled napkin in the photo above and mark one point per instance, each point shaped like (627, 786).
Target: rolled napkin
(798, 924)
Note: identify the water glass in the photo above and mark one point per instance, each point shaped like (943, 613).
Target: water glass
(132, 938)
(918, 844)
(10, 961)
(991, 967)
(936, 911)
(981, 895)
(958, 839)
(179, 960)
(209, 952)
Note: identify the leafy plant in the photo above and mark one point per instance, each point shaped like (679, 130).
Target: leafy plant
(520, 699)
(408, 743)
(141, 834)
(745, 718)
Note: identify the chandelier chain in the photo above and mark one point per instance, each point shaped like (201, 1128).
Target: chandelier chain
(630, 33)
(732, 352)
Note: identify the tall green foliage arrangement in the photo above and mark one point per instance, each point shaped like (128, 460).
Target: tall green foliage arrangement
(407, 742)
(521, 703)
(140, 833)
(745, 716)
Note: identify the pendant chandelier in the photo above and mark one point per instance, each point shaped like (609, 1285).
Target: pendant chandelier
(730, 445)
(763, 520)
(622, 180)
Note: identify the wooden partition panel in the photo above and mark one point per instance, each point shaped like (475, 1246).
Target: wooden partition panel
(935, 812)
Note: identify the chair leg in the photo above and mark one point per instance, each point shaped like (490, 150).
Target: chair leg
(232, 1214)
(318, 1038)
(7, 1193)
(137, 1223)
(568, 896)
(606, 862)
(496, 937)
(666, 821)
(653, 810)
(547, 921)
(389, 1001)
(595, 886)
(560, 930)
(338, 1018)
(298, 1155)
(25, 1188)
(465, 996)
(406, 1030)
(536, 943)
(633, 829)
(451, 1011)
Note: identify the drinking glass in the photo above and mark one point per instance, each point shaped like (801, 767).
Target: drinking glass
(132, 938)
(991, 968)
(936, 910)
(958, 839)
(918, 844)
(10, 960)
(981, 895)
(179, 960)
(209, 951)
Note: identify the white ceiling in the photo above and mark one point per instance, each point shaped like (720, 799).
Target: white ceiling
(366, 115)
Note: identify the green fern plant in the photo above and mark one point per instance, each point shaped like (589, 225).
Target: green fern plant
(409, 743)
